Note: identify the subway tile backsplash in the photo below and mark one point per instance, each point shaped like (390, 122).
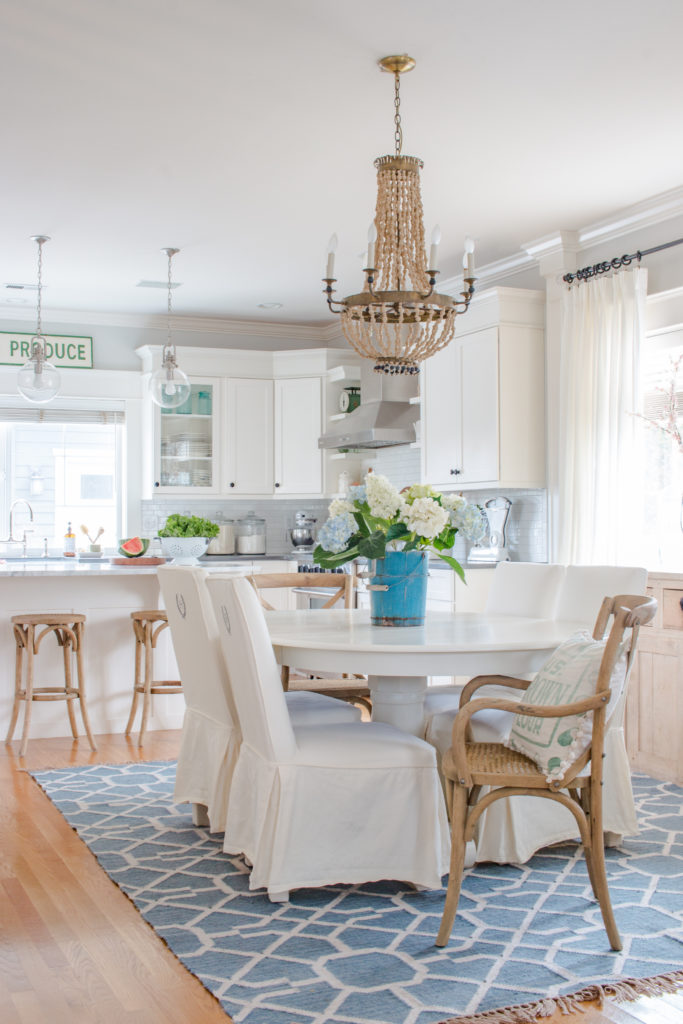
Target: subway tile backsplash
(527, 530)
(279, 515)
(527, 534)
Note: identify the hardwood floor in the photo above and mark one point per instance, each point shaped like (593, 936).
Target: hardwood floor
(73, 949)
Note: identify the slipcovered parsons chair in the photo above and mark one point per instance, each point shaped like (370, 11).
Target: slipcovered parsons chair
(326, 804)
(511, 831)
(518, 588)
(211, 737)
(561, 759)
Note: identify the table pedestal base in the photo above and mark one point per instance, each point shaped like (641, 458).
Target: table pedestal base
(399, 701)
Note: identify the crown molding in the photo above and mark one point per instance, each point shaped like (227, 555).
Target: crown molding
(159, 322)
(655, 210)
(553, 245)
(497, 270)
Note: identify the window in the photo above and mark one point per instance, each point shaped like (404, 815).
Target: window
(68, 466)
(661, 379)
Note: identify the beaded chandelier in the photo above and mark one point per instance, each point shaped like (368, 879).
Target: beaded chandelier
(398, 320)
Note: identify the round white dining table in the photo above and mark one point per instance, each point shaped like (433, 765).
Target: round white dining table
(398, 660)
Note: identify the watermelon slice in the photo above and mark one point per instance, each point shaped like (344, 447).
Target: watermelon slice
(133, 547)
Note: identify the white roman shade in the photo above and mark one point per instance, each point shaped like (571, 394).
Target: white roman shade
(33, 415)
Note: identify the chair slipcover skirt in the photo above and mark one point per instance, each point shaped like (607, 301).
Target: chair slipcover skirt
(288, 818)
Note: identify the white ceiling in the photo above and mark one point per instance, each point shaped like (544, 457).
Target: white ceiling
(243, 132)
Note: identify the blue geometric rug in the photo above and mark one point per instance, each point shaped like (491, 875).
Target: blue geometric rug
(366, 954)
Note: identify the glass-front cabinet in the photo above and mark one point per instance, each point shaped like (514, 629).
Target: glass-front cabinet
(187, 441)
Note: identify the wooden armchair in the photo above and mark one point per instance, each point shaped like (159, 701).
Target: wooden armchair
(353, 689)
(467, 766)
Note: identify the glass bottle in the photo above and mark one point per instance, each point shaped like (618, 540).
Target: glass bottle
(69, 542)
(250, 534)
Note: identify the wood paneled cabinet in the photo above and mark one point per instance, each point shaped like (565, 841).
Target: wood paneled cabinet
(654, 707)
(482, 398)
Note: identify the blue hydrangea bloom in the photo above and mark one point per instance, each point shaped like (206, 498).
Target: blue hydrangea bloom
(335, 533)
(357, 493)
(469, 521)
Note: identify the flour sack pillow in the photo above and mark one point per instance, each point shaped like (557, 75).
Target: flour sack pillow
(569, 675)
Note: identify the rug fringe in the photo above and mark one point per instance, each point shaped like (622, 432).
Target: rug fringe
(622, 990)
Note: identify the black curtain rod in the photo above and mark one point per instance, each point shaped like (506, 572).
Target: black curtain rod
(619, 261)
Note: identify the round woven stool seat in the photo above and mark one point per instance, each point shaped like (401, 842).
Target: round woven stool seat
(48, 619)
(67, 628)
(148, 623)
(152, 614)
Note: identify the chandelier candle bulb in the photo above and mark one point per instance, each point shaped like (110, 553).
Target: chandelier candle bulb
(468, 259)
(372, 238)
(331, 250)
(434, 251)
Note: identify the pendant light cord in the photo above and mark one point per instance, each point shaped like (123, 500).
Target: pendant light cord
(39, 323)
(169, 344)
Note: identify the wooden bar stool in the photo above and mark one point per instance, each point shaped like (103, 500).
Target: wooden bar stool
(68, 629)
(147, 625)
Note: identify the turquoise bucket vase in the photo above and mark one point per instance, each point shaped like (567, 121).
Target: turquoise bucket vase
(398, 589)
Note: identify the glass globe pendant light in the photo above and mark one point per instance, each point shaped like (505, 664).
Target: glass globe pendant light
(38, 380)
(169, 386)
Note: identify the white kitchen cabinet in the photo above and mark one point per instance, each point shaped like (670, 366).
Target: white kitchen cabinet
(187, 453)
(248, 437)
(482, 398)
(460, 411)
(267, 416)
(298, 425)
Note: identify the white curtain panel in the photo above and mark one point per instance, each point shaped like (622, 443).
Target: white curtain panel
(602, 325)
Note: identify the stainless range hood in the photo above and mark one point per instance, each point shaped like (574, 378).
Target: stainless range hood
(385, 416)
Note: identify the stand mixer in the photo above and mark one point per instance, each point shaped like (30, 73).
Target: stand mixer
(303, 533)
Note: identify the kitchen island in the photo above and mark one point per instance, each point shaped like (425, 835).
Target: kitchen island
(106, 594)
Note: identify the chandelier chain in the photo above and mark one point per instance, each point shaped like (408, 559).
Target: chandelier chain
(398, 131)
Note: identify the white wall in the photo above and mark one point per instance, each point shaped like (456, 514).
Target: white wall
(116, 337)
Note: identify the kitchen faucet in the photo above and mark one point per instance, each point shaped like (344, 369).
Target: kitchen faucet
(12, 539)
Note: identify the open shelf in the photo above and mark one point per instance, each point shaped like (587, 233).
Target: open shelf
(344, 373)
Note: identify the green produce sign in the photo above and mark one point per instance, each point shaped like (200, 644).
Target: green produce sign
(60, 349)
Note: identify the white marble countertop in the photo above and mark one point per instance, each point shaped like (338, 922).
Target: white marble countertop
(103, 567)
(70, 567)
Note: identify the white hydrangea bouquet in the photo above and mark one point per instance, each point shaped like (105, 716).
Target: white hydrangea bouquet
(375, 518)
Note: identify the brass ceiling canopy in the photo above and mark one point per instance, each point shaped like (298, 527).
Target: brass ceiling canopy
(398, 320)
(397, 64)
